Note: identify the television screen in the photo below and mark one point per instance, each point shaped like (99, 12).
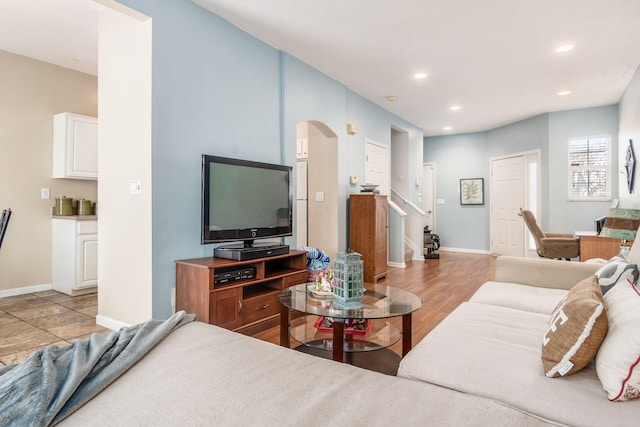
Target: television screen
(244, 200)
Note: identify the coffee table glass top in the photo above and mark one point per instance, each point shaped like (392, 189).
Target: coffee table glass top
(378, 302)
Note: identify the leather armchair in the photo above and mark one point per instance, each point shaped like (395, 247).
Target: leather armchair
(551, 245)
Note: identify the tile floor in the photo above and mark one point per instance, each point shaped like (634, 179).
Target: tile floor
(33, 321)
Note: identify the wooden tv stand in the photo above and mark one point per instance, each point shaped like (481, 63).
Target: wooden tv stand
(247, 306)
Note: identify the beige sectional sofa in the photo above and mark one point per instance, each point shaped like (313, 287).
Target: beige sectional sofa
(491, 347)
(479, 367)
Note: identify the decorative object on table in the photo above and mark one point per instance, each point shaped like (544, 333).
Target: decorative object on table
(431, 243)
(621, 224)
(4, 223)
(472, 191)
(351, 326)
(624, 248)
(323, 285)
(348, 282)
(629, 166)
(317, 262)
(369, 188)
(316, 291)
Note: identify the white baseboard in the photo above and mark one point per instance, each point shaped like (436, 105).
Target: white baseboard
(470, 251)
(397, 264)
(110, 323)
(25, 290)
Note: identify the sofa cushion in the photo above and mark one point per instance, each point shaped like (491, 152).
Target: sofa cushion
(494, 352)
(618, 361)
(542, 272)
(615, 270)
(202, 375)
(576, 330)
(521, 297)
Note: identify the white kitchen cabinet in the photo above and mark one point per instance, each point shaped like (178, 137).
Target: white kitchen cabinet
(75, 146)
(75, 255)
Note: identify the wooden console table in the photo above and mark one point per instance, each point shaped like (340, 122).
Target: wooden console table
(246, 305)
(599, 247)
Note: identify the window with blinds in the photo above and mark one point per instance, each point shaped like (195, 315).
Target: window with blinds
(590, 168)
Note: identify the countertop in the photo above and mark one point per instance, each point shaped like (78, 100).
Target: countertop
(76, 217)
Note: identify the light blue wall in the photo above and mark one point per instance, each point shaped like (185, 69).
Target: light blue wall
(549, 134)
(457, 157)
(629, 128)
(520, 137)
(218, 90)
(566, 216)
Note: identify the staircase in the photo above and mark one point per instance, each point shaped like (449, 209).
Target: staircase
(408, 254)
(405, 230)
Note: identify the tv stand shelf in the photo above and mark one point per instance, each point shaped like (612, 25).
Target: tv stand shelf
(246, 306)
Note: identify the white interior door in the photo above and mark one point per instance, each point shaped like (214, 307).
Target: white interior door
(507, 197)
(376, 171)
(428, 194)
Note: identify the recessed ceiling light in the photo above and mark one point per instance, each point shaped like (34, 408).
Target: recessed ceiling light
(455, 108)
(392, 98)
(564, 92)
(447, 128)
(564, 48)
(420, 75)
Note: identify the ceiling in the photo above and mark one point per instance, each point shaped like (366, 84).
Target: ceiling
(61, 32)
(495, 59)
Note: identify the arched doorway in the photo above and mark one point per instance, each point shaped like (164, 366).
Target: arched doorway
(317, 189)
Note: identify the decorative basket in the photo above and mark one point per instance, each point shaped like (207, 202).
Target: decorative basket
(351, 326)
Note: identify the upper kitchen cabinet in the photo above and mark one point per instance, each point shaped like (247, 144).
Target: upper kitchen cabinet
(75, 146)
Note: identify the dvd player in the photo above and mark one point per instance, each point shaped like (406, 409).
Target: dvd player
(234, 275)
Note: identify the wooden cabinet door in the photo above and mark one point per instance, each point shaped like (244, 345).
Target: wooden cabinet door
(381, 232)
(87, 262)
(225, 308)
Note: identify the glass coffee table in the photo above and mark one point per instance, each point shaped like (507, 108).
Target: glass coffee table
(379, 302)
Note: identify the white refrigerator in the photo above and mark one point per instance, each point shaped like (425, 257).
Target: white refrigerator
(301, 202)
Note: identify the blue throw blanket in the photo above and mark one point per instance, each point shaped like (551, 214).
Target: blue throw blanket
(54, 382)
(317, 259)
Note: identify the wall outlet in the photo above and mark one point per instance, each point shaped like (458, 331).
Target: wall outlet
(319, 196)
(45, 193)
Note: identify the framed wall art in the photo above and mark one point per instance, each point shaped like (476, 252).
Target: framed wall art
(630, 166)
(472, 191)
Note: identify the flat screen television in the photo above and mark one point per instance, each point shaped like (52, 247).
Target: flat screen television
(243, 201)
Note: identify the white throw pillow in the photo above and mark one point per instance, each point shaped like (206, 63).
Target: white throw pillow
(618, 360)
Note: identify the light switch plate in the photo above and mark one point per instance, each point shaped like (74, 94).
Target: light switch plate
(45, 193)
(319, 196)
(135, 186)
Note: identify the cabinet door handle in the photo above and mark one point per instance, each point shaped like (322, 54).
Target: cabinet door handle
(239, 306)
(263, 307)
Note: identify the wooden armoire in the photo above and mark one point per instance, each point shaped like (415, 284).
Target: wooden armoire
(368, 227)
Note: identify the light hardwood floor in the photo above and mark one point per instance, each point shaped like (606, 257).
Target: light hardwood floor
(443, 284)
(32, 321)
